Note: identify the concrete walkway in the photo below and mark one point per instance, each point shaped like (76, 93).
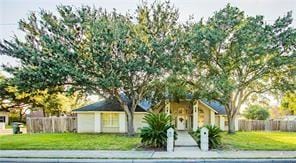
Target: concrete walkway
(104, 154)
(185, 140)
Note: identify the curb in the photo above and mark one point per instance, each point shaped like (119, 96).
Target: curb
(7, 160)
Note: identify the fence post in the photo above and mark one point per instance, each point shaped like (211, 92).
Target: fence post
(52, 124)
(28, 125)
(43, 125)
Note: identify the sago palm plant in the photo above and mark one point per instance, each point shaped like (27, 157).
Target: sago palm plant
(155, 134)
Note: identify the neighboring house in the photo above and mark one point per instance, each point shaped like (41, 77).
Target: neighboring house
(35, 113)
(289, 118)
(107, 116)
(4, 117)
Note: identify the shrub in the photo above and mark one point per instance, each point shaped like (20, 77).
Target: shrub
(214, 136)
(256, 112)
(155, 134)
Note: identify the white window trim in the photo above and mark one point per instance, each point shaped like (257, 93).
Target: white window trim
(109, 121)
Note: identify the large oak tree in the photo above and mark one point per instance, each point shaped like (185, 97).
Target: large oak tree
(237, 55)
(96, 51)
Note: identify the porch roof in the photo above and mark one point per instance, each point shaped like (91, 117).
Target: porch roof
(219, 108)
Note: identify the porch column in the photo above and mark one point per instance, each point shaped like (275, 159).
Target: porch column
(212, 117)
(222, 122)
(195, 115)
(98, 122)
(122, 122)
(167, 107)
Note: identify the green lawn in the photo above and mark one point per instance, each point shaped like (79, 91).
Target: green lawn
(69, 141)
(260, 141)
(8, 126)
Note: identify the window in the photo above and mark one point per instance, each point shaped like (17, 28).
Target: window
(201, 118)
(2, 118)
(226, 122)
(110, 119)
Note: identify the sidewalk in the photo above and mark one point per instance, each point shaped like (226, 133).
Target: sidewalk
(104, 154)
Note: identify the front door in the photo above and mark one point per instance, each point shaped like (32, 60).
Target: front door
(181, 122)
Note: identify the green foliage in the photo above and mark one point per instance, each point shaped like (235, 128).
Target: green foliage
(96, 51)
(237, 55)
(170, 88)
(12, 98)
(3, 93)
(214, 136)
(56, 103)
(155, 134)
(52, 103)
(14, 117)
(226, 58)
(256, 112)
(288, 103)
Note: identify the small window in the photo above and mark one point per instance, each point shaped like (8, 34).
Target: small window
(2, 119)
(226, 122)
(110, 119)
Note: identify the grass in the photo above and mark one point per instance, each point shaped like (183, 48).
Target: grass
(8, 126)
(69, 141)
(260, 141)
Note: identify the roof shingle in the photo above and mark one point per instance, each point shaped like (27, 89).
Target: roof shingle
(111, 105)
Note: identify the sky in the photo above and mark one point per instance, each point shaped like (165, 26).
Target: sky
(11, 11)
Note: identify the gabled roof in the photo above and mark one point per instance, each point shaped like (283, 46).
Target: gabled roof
(143, 106)
(217, 106)
(112, 105)
(214, 105)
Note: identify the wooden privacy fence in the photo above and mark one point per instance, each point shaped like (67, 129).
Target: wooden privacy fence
(267, 125)
(51, 124)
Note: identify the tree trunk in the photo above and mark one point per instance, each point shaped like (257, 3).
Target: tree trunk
(231, 124)
(44, 113)
(129, 111)
(58, 113)
(129, 120)
(20, 115)
(130, 124)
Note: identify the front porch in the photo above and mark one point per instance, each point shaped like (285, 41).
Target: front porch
(188, 115)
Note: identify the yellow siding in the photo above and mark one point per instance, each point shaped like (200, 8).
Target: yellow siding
(204, 115)
(183, 108)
